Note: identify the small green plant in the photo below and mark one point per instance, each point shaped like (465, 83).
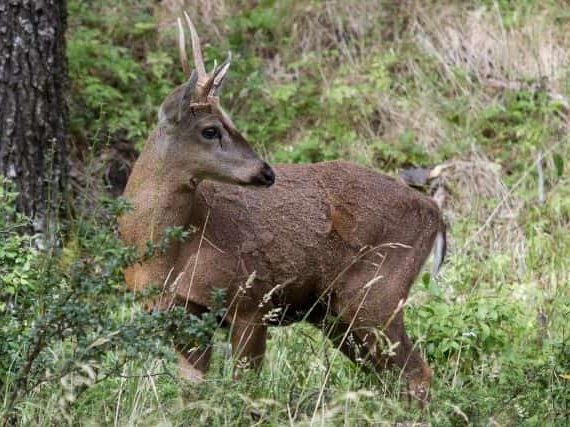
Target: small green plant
(467, 332)
(66, 321)
(516, 128)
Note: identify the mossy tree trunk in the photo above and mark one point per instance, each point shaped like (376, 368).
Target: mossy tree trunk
(33, 111)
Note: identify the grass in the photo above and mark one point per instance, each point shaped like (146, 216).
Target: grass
(481, 87)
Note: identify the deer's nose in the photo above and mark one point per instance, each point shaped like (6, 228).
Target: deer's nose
(265, 177)
(268, 174)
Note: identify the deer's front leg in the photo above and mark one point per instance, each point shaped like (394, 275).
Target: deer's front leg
(194, 360)
(248, 344)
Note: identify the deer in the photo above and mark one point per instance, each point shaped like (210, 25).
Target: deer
(335, 244)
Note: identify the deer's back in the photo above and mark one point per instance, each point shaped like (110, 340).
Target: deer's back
(311, 223)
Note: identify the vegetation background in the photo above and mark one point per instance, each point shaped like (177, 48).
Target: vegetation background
(481, 87)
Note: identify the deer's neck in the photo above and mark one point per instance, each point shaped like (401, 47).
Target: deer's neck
(160, 198)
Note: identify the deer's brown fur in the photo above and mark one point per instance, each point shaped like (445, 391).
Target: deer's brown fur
(333, 243)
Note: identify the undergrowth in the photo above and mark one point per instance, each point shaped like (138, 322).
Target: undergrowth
(480, 87)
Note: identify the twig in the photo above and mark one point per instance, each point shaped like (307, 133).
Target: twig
(157, 374)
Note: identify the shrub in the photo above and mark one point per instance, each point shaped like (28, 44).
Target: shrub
(66, 319)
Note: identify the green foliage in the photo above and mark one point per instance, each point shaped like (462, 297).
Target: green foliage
(365, 88)
(119, 73)
(57, 323)
(188, 330)
(406, 152)
(17, 254)
(317, 146)
(472, 330)
(171, 235)
(493, 356)
(513, 130)
(65, 318)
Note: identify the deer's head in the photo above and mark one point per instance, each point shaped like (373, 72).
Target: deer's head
(197, 137)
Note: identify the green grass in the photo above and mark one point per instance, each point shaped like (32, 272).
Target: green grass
(383, 86)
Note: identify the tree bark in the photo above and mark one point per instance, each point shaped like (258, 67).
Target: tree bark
(33, 111)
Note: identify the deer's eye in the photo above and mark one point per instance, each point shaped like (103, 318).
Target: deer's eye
(211, 133)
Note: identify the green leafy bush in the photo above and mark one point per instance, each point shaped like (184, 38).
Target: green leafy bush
(66, 318)
(120, 74)
(467, 332)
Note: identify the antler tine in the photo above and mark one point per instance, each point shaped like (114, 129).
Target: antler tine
(220, 73)
(196, 50)
(182, 48)
(213, 85)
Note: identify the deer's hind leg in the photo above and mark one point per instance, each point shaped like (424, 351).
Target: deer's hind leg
(402, 353)
(248, 339)
(340, 334)
(370, 298)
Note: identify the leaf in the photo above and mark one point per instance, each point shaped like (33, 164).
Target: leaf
(558, 163)
(485, 331)
(143, 27)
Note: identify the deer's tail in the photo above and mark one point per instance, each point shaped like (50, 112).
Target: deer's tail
(439, 249)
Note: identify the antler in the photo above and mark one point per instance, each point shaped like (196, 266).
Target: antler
(196, 50)
(203, 77)
(217, 77)
(208, 85)
(182, 48)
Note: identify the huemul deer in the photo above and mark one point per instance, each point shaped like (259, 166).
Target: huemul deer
(332, 243)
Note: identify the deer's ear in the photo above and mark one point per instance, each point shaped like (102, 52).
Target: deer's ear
(177, 103)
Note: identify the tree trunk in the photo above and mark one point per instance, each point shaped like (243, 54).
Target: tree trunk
(33, 111)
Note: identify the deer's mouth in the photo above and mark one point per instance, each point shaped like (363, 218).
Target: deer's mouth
(265, 177)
